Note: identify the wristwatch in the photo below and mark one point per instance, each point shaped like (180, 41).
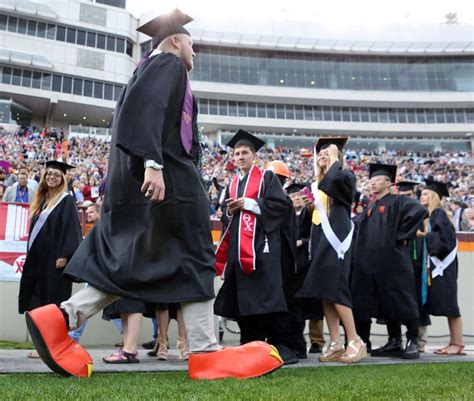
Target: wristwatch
(152, 164)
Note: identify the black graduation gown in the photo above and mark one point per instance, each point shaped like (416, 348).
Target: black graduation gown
(41, 283)
(262, 291)
(443, 291)
(289, 235)
(415, 250)
(383, 280)
(328, 276)
(139, 249)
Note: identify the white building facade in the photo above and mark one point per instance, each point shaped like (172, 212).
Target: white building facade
(64, 63)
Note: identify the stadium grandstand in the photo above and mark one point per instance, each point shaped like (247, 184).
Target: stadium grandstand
(386, 88)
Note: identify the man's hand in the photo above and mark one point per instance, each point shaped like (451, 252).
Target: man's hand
(308, 202)
(333, 151)
(153, 185)
(235, 205)
(60, 263)
(420, 234)
(299, 243)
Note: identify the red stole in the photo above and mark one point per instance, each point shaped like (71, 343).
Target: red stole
(247, 221)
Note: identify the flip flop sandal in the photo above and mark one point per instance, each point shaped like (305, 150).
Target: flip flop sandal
(444, 351)
(121, 358)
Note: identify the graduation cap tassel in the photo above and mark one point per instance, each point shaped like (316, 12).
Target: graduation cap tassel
(266, 248)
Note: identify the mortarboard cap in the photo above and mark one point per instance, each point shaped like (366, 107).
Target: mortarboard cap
(324, 142)
(439, 187)
(243, 138)
(58, 166)
(406, 185)
(291, 189)
(388, 170)
(165, 25)
(429, 162)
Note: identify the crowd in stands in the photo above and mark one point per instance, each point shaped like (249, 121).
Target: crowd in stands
(29, 148)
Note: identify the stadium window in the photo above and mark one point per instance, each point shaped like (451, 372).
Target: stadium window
(91, 36)
(280, 111)
(242, 109)
(252, 109)
(46, 81)
(450, 116)
(26, 79)
(71, 35)
(22, 26)
(81, 37)
(67, 84)
(109, 92)
(120, 45)
(117, 91)
(469, 116)
(290, 112)
(430, 118)
(100, 41)
(110, 43)
(336, 113)
(87, 88)
(6, 75)
(402, 116)
(355, 114)
(392, 116)
(460, 118)
(51, 31)
(213, 107)
(439, 114)
(98, 90)
(411, 116)
(383, 115)
(420, 116)
(77, 87)
(129, 48)
(203, 106)
(61, 33)
(223, 107)
(36, 80)
(374, 115)
(308, 113)
(327, 113)
(56, 87)
(12, 24)
(16, 77)
(298, 112)
(232, 109)
(41, 30)
(261, 110)
(364, 115)
(271, 111)
(31, 28)
(3, 22)
(346, 114)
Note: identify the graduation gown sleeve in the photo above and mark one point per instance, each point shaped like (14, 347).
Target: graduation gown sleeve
(70, 234)
(338, 184)
(142, 115)
(273, 205)
(412, 215)
(442, 238)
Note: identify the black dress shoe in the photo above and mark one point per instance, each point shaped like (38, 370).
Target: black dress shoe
(393, 348)
(315, 349)
(411, 350)
(302, 355)
(287, 354)
(149, 344)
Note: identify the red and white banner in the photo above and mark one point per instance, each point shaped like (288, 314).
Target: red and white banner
(14, 228)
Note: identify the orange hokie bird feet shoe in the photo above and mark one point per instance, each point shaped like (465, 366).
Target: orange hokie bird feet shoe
(249, 360)
(49, 333)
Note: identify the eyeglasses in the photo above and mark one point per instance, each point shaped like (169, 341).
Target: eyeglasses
(52, 174)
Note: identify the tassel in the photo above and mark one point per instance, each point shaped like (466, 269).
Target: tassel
(266, 248)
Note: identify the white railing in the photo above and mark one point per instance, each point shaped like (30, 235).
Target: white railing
(82, 131)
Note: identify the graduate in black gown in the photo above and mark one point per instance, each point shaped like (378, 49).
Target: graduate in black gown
(153, 242)
(55, 234)
(383, 280)
(331, 237)
(252, 292)
(415, 250)
(441, 284)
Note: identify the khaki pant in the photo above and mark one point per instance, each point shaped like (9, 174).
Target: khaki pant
(198, 316)
(316, 332)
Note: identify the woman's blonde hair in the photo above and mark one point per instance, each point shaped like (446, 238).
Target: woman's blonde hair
(41, 201)
(321, 171)
(435, 201)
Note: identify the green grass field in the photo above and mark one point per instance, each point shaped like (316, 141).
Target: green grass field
(450, 381)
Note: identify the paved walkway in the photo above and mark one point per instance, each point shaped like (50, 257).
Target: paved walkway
(16, 361)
